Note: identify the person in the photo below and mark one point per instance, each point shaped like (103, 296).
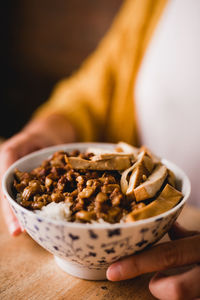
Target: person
(140, 86)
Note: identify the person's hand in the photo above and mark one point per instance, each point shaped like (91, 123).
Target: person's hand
(36, 135)
(183, 250)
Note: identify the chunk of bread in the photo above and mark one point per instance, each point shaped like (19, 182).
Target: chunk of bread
(168, 198)
(115, 163)
(152, 185)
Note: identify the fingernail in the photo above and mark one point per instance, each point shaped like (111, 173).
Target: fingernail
(23, 229)
(14, 229)
(114, 272)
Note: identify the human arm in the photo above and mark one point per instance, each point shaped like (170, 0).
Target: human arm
(184, 249)
(37, 134)
(97, 100)
(50, 124)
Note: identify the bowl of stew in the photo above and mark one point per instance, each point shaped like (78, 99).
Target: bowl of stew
(90, 204)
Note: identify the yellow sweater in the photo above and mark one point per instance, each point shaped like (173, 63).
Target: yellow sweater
(98, 98)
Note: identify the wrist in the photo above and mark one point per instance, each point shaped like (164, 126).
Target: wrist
(55, 127)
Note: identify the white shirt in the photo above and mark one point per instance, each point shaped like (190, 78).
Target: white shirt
(167, 90)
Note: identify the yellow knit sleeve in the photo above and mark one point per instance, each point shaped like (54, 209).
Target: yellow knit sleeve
(98, 98)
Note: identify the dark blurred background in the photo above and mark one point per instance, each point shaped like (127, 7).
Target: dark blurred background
(42, 42)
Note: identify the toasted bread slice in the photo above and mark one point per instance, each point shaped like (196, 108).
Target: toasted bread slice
(126, 148)
(151, 186)
(171, 178)
(116, 163)
(140, 173)
(105, 156)
(167, 199)
(154, 157)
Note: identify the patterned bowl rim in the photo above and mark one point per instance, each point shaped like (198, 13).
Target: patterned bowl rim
(69, 147)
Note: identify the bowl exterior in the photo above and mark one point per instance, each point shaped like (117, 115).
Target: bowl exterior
(91, 247)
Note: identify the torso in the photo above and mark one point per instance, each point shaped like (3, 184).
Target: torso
(167, 91)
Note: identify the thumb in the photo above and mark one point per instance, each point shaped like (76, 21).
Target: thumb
(11, 221)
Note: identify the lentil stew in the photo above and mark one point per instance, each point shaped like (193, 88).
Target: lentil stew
(113, 187)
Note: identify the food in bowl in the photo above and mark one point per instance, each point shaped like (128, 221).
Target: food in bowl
(86, 249)
(97, 185)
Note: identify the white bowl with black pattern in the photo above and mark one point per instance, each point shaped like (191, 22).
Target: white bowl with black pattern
(86, 250)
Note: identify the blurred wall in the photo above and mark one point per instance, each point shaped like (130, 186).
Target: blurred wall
(44, 41)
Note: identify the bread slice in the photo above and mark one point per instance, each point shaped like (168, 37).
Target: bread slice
(167, 199)
(152, 185)
(140, 173)
(118, 163)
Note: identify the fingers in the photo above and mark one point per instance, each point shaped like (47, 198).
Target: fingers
(178, 232)
(7, 157)
(10, 219)
(36, 136)
(160, 257)
(11, 150)
(183, 286)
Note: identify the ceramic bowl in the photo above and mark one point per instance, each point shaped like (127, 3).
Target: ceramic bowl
(86, 250)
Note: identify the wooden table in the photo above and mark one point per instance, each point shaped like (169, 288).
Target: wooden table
(28, 272)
